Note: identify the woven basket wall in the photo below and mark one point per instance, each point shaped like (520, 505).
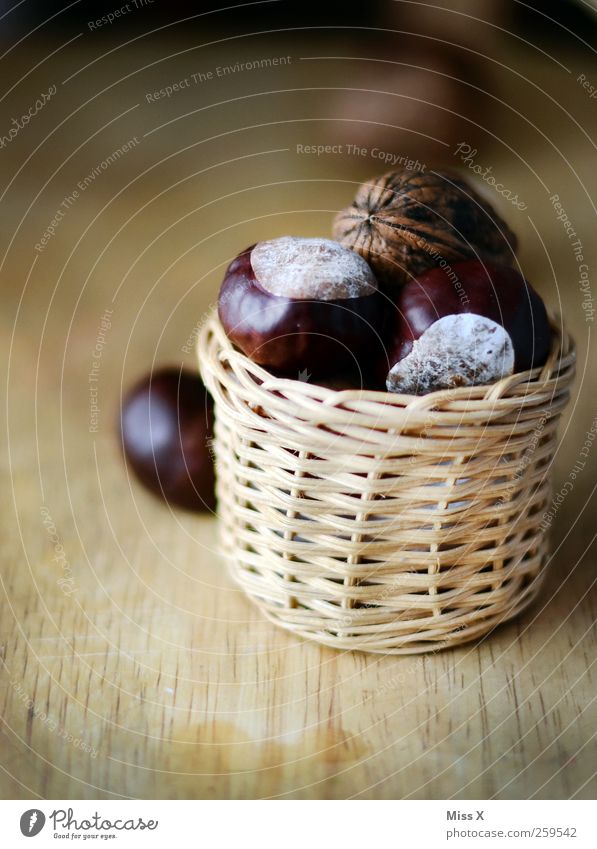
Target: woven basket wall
(381, 522)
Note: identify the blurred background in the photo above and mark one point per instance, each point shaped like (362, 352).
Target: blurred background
(142, 146)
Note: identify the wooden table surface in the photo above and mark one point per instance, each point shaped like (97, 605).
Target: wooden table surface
(131, 666)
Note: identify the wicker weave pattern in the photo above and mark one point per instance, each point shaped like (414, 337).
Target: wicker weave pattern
(378, 522)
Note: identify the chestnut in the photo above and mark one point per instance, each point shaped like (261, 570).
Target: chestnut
(464, 325)
(296, 305)
(166, 423)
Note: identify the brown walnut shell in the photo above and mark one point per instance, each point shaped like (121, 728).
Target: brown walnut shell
(406, 222)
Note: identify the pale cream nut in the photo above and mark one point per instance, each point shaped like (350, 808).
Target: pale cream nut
(457, 350)
(304, 268)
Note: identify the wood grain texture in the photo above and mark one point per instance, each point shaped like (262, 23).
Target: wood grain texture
(131, 665)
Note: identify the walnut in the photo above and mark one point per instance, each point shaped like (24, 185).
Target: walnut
(406, 222)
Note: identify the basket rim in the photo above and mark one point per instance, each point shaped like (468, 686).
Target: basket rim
(523, 386)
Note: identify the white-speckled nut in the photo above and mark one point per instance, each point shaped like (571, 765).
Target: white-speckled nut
(295, 267)
(457, 350)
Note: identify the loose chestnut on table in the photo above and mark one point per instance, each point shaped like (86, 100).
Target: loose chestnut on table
(304, 306)
(470, 324)
(166, 423)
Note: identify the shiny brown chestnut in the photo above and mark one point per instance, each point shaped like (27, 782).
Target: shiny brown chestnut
(296, 305)
(166, 423)
(468, 324)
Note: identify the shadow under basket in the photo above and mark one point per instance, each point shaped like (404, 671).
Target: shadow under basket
(381, 522)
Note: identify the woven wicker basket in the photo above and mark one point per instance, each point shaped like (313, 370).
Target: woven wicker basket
(380, 522)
